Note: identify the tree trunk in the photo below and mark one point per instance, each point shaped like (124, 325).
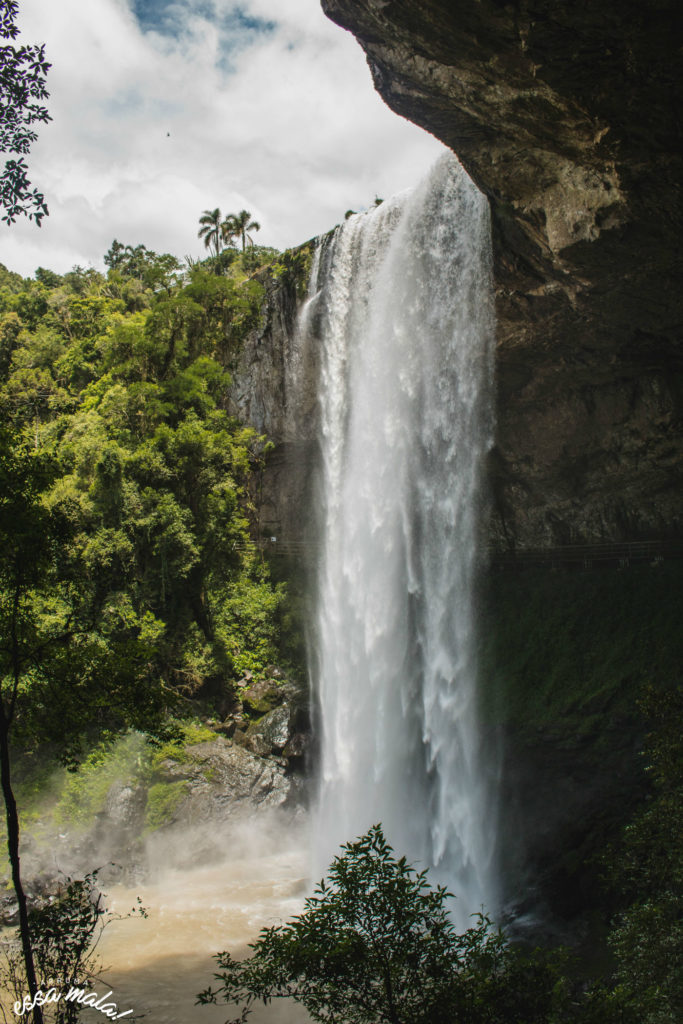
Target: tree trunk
(13, 850)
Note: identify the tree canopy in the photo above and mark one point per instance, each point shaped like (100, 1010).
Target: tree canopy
(239, 224)
(122, 383)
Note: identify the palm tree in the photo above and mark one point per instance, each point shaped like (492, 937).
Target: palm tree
(212, 229)
(228, 230)
(240, 223)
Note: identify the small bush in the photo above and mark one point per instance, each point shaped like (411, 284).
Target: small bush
(65, 935)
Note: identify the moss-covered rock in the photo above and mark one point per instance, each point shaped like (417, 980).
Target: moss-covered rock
(566, 657)
(163, 800)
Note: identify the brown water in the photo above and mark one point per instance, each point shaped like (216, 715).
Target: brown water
(156, 966)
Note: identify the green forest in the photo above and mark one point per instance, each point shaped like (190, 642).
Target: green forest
(128, 489)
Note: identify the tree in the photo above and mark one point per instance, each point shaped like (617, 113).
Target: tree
(211, 229)
(22, 88)
(68, 664)
(115, 255)
(154, 271)
(228, 232)
(375, 944)
(66, 933)
(239, 224)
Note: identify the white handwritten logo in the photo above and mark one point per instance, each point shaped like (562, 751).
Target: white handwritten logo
(74, 995)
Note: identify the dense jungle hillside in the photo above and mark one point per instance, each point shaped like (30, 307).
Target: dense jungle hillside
(113, 404)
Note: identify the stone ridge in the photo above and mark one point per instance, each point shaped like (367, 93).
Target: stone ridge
(568, 117)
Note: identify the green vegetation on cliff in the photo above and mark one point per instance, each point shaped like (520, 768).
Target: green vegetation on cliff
(580, 674)
(119, 383)
(561, 649)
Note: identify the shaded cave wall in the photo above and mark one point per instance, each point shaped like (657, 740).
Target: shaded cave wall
(567, 116)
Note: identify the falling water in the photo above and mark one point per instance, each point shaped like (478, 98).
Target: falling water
(403, 302)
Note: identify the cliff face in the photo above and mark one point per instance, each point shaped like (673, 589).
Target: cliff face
(275, 390)
(568, 117)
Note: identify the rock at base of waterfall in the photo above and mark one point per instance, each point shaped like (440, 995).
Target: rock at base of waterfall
(271, 733)
(225, 779)
(124, 807)
(260, 697)
(272, 715)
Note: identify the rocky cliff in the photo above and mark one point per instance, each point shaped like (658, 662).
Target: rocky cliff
(275, 390)
(568, 117)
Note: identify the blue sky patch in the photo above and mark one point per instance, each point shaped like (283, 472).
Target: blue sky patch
(169, 17)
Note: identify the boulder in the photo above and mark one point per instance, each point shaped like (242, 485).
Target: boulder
(226, 779)
(271, 733)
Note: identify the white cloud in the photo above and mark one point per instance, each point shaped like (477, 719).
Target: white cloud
(287, 125)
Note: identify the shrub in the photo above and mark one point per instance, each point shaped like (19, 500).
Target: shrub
(375, 944)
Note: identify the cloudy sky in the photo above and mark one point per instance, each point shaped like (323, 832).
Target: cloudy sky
(164, 108)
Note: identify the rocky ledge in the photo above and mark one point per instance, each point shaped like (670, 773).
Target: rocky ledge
(249, 767)
(567, 116)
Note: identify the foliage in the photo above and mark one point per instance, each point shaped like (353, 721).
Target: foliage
(181, 734)
(213, 229)
(255, 257)
(66, 932)
(150, 473)
(22, 90)
(247, 614)
(124, 510)
(375, 943)
(70, 657)
(647, 937)
(295, 265)
(239, 224)
(85, 789)
(549, 657)
(219, 234)
(154, 272)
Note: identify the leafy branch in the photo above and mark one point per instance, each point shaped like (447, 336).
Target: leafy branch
(23, 70)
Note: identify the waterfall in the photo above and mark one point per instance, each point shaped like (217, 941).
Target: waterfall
(402, 301)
